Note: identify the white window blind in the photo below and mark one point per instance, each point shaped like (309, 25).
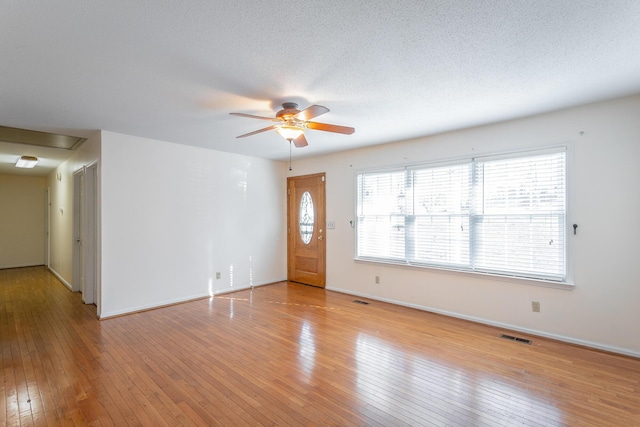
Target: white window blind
(381, 215)
(439, 224)
(501, 216)
(520, 217)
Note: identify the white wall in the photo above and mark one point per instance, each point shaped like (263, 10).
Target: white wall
(22, 220)
(61, 196)
(603, 310)
(174, 215)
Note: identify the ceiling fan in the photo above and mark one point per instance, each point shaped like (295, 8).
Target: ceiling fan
(292, 123)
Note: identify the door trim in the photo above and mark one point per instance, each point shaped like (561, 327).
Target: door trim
(86, 264)
(77, 281)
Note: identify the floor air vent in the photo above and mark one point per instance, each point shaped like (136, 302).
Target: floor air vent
(357, 301)
(517, 339)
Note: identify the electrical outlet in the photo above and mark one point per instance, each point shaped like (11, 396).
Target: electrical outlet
(218, 275)
(535, 306)
(377, 280)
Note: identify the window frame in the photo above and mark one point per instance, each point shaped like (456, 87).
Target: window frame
(565, 283)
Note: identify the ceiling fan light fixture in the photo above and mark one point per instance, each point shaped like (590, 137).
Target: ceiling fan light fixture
(290, 131)
(27, 162)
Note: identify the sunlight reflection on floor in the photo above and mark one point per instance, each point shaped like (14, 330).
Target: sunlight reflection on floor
(383, 370)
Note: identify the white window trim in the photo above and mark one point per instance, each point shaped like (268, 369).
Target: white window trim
(567, 284)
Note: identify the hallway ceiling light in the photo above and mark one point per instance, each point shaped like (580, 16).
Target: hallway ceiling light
(27, 162)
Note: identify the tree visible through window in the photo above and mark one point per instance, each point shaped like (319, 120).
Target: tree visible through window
(494, 215)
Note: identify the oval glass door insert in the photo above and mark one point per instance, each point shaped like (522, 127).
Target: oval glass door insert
(306, 218)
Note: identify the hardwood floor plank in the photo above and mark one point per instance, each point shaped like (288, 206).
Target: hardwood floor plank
(288, 354)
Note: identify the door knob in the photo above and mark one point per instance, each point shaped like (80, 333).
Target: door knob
(319, 237)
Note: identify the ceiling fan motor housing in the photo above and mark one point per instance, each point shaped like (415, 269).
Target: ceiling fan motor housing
(289, 109)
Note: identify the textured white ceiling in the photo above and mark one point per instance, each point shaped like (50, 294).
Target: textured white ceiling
(174, 70)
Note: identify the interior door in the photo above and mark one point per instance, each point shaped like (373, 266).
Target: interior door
(306, 244)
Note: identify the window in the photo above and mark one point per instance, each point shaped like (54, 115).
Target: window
(499, 215)
(306, 218)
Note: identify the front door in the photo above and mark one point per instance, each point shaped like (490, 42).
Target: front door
(306, 245)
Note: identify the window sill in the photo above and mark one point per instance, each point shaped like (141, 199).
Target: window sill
(503, 278)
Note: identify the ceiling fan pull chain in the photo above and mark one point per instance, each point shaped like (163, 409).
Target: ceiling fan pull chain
(290, 155)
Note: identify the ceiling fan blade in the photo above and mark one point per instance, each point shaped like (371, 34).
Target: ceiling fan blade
(257, 131)
(300, 141)
(311, 112)
(251, 116)
(331, 128)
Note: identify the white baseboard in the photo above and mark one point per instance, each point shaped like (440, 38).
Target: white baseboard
(145, 307)
(249, 286)
(64, 282)
(5, 267)
(570, 340)
(160, 304)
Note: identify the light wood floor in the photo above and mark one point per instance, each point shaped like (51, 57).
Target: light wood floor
(287, 354)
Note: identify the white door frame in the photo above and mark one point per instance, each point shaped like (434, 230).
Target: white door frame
(86, 223)
(48, 226)
(89, 244)
(77, 282)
